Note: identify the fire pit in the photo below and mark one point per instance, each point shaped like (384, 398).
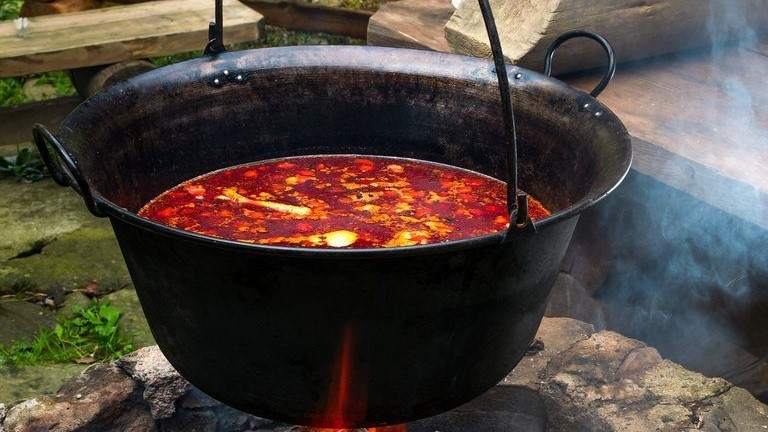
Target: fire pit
(339, 338)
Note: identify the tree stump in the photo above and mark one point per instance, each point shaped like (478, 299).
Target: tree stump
(91, 80)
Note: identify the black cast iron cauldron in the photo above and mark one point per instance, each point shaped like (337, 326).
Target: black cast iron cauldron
(422, 328)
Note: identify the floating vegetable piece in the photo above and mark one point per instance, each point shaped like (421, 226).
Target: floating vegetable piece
(231, 194)
(340, 238)
(303, 201)
(407, 238)
(195, 190)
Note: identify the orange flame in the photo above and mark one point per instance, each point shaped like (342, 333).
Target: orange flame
(348, 394)
(397, 428)
(347, 397)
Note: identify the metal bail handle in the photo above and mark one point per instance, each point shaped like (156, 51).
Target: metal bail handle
(64, 169)
(517, 202)
(595, 37)
(216, 31)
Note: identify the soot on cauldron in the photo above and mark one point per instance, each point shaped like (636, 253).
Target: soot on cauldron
(268, 329)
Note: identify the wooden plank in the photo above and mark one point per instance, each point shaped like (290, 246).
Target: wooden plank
(699, 124)
(411, 24)
(16, 122)
(118, 33)
(312, 17)
(635, 29)
(733, 196)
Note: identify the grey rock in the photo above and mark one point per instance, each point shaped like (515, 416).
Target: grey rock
(557, 335)
(195, 399)
(230, 419)
(735, 410)
(162, 384)
(669, 382)
(36, 211)
(24, 382)
(191, 421)
(199, 412)
(612, 383)
(76, 258)
(580, 381)
(3, 411)
(72, 302)
(501, 409)
(102, 398)
(21, 321)
(638, 361)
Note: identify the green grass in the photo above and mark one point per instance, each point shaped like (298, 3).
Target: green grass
(11, 91)
(9, 9)
(91, 334)
(26, 165)
(275, 37)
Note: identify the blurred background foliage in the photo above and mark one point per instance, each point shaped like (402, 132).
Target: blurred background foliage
(18, 90)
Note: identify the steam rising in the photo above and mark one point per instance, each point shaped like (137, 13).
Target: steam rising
(690, 276)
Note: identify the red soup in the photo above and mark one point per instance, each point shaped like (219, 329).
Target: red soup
(338, 201)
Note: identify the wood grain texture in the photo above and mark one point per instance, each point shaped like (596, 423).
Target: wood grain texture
(16, 122)
(119, 33)
(312, 17)
(636, 29)
(699, 123)
(411, 24)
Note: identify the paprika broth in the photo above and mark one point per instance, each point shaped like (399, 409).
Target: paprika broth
(338, 201)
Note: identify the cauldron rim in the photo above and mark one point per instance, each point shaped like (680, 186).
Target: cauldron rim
(363, 58)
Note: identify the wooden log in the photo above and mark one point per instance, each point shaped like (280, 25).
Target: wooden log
(118, 33)
(93, 79)
(411, 24)
(312, 17)
(636, 29)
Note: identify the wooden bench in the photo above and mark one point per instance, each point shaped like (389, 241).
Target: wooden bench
(118, 33)
(697, 119)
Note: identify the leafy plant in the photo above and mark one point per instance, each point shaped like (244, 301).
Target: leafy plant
(26, 165)
(9, 9)
(90, 335)
(60, 81)
(12, 91)
(369, 5)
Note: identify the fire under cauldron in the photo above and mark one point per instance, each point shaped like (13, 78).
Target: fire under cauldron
(338, 338)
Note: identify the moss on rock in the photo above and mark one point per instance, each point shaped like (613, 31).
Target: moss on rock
(87, 254)
(34, 212)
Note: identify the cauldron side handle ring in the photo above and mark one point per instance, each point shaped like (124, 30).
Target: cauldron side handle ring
(609, 73)
(64, 169)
